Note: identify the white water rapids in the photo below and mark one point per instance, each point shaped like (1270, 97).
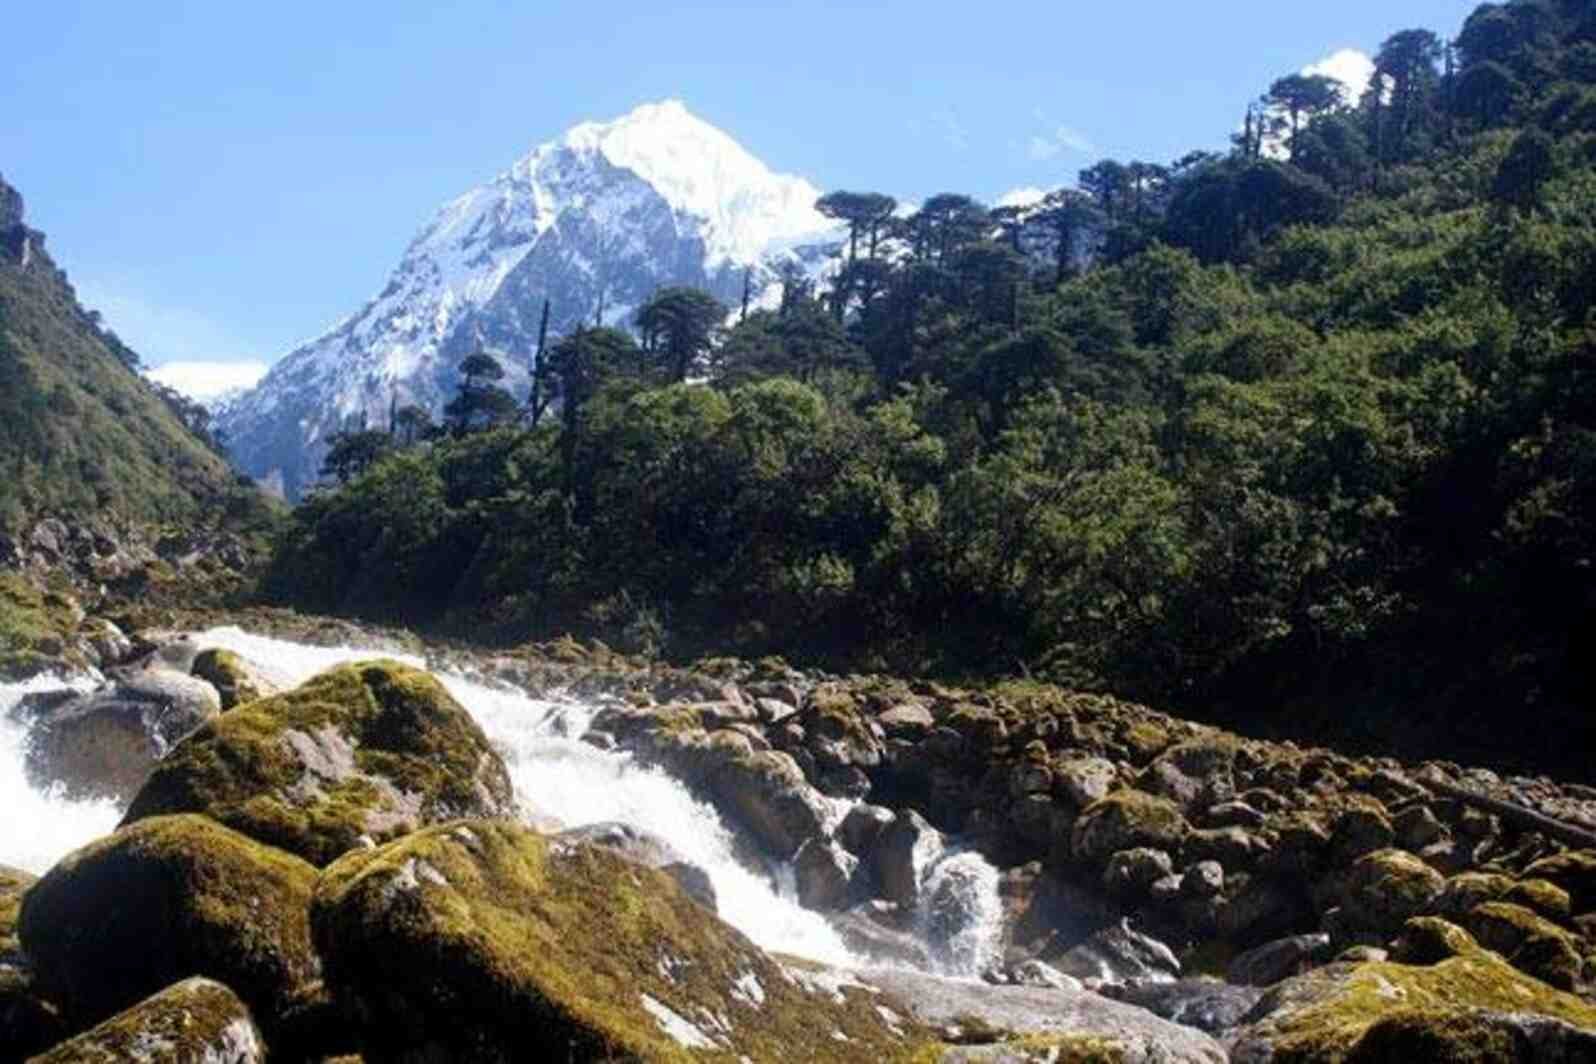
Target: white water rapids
(555, 775)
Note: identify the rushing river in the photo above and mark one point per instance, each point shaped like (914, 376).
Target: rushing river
(555, 776)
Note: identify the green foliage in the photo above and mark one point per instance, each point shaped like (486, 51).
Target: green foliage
(1254, 434)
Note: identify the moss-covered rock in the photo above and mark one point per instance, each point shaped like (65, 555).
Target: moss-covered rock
(1431, 940)
(165, 899)
(1474, 1037)
(1384, 888)
(197, 1021)
(234, 678)
(28, 1023)
(1574, 871)
(1543, 896)
(37, 626)
(374, 749)
(1467, 889)
(482, 940)
(14, 882)
(1321, 1015)
(1532, 943)
(1125, 820)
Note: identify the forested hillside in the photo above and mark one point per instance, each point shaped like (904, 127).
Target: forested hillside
(81, 433)
(1298, 436)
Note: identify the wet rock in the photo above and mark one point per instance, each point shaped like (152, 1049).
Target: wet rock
(1208, 1005)
(1088, 1026)
(105, 744)
(862, 826)
(1131, 873)
(649, 850)
(480, 940)
(767, 793)
(881, 933)
(1118, 954)
(368, 750)
(168, 898)
(196, 1020)
(1036, 973)
(1284, 957)
(824, 873)
(906, 849)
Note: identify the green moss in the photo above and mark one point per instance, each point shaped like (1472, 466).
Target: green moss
(1574, 871)
(1543, 896)
(1430, 940)
(1145, 740)
(392, 751)
(1387, 887)
(164, 899)
(1343, 1005)
(1437, 1037)
(1531, 942)
(184, 1022)
(36, 625)
(226, 672)
(13, 883)
(511, 946)
(1125, 819)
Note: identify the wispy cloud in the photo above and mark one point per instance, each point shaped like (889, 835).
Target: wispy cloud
(194, 350)
(945, 126)
(1055, 139)
(1023, 196)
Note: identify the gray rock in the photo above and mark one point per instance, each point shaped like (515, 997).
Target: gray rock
(824, 873)
(1194, 774)
(901, 856)
(1205, 879)
(1417, 827)
(908, 720)
(1273, 961)
(766, 791)
(1138, 1035)
(1037, 973)
(1131, 873)
(1207, 1004)
(1118, 954)
(878, 931)
(1082, 781)
(862, 826)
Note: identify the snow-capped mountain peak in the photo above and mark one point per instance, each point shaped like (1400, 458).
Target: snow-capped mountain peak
(597, 218)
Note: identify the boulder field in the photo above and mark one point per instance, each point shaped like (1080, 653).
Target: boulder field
(341, 871)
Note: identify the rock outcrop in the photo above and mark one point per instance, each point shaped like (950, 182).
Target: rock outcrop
(197, 1021)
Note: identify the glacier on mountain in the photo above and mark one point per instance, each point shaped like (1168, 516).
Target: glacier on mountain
(594, 221)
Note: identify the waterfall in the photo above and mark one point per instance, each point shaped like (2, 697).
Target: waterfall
(555, 776)
(38, 827)
(961, 915)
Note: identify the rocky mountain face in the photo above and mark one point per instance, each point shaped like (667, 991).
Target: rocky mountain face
(594, 222)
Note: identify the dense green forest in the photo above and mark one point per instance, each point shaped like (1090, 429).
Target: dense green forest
(1301, 435)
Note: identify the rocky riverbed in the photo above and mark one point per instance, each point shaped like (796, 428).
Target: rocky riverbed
(366, 860)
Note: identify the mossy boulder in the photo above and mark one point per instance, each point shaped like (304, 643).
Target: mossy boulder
(14, 882)
(37, 626)
(1542, 895)
(197, 1021)
(483, 940)
(1384, 888)
(1127, 819)
(1475, 1037)
(1532, 943)
(1574, 871)
(1467, 889)
(165, 899)
(374, 750)
(234, 678)
(1321, 1015)
(1431, 940)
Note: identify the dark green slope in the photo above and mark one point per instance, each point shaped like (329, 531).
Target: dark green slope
(81, 433)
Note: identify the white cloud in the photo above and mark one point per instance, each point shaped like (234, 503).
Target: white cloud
(1044, 146)
(208, 380)
(162, 333)
(1022, 197)
(1351, 67)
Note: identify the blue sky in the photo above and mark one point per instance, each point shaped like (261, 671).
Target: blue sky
(224, 180)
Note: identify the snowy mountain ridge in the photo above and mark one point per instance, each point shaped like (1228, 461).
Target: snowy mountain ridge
(600, 217)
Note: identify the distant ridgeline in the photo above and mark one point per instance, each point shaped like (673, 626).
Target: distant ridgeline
(82, 435)
(1303, 433)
